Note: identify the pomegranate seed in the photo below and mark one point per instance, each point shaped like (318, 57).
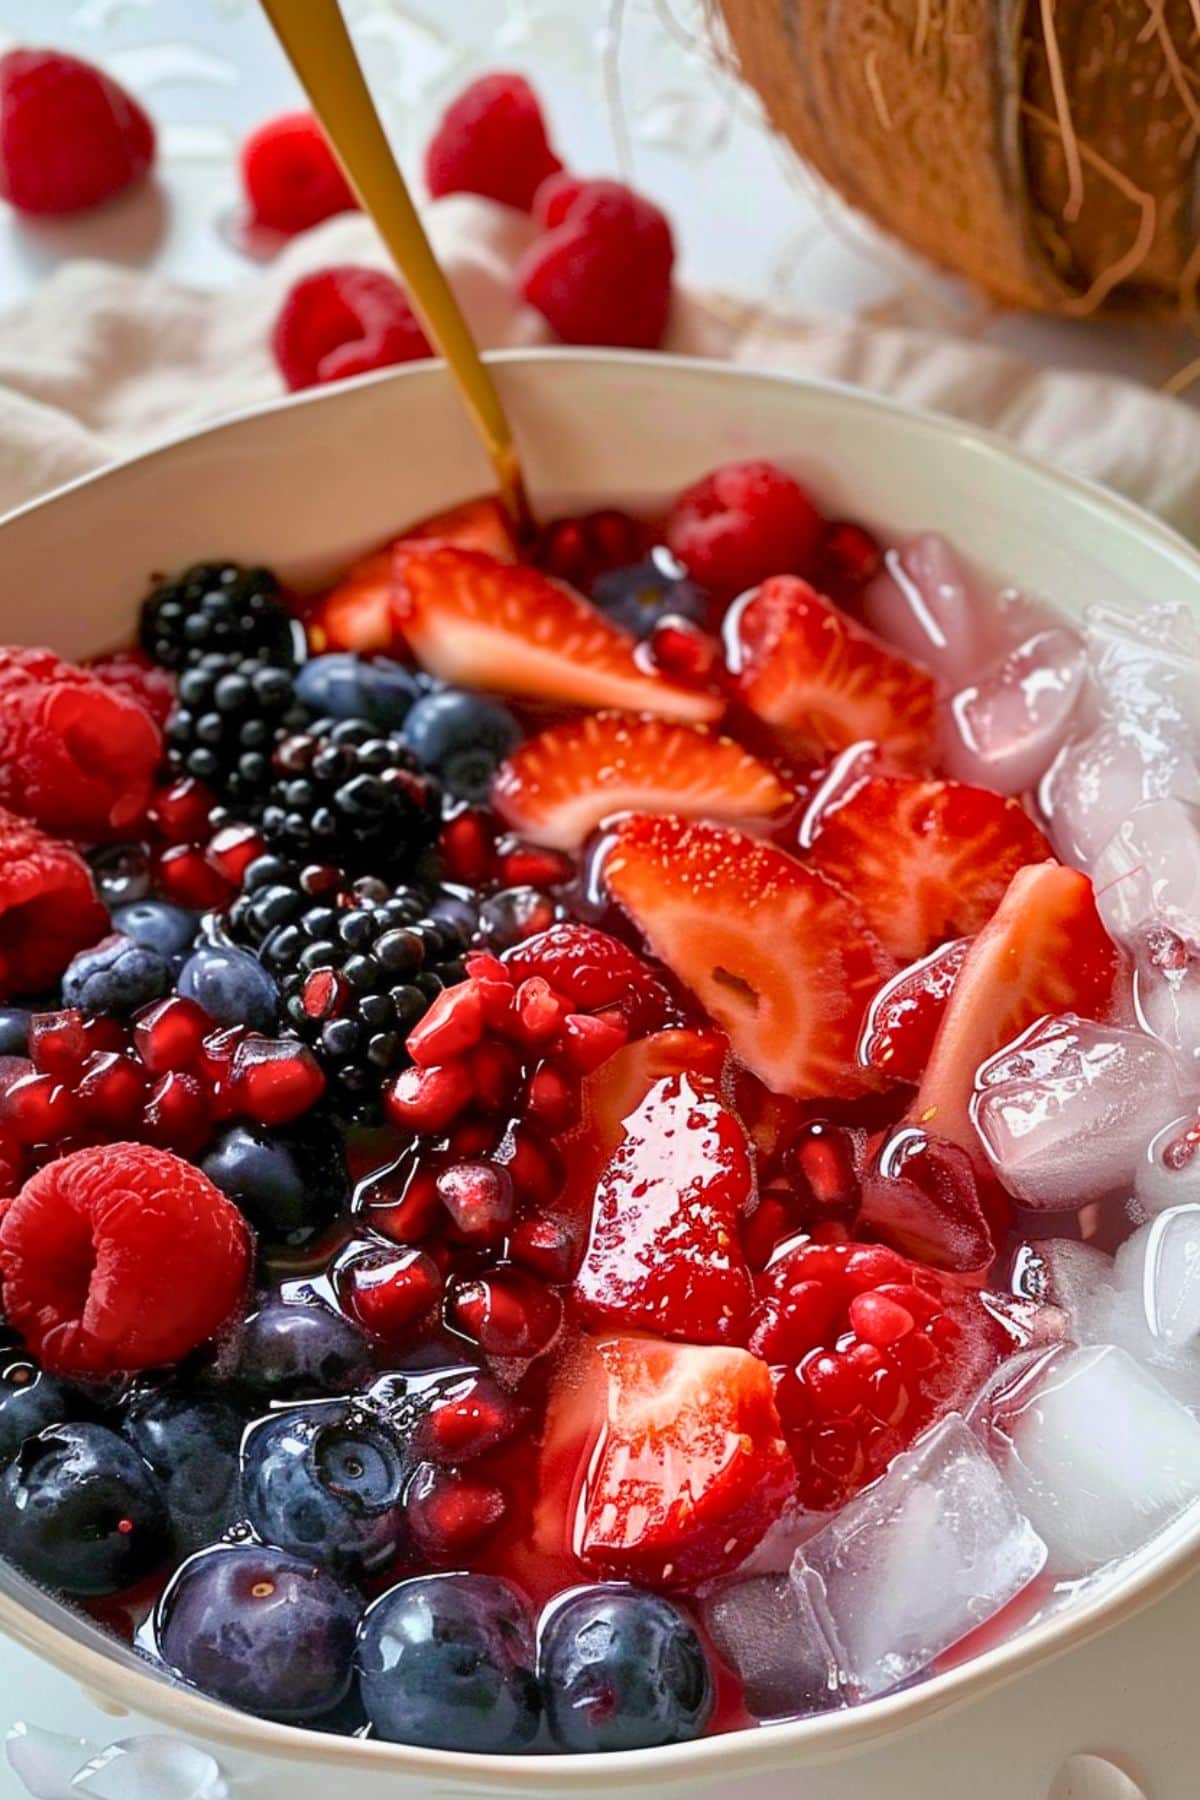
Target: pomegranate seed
(453, 1024)
(470, 1421)
(546, 1247)
(552, 1098)
(179, 813)
(870, 1265)
(390, 1293)
(822, 1161)
(479, 1199)
(769, 1221)
(837, 1448)
(525, 865)
(847, 558)
(506, 1313)
(170, 1034)
(470, 1139)
(482, 967)
(466, 846)
(447, 1512)
(879, 1320)
(59, 1043)
(233, 849)
(534, 1165)
(538, 1012)
(885, 1395)
(275, 1080)
(320, 880)
(793, 1402)
(325, 995)
(685, 652)
(495, 1075)
(590, 1039)
(177, 1114)
(38, 1109)
(400, 1202)
(186, 877)
(426, 1100)
(110, 1091)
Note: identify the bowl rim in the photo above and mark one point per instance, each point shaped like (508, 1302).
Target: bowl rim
(1163, 1565)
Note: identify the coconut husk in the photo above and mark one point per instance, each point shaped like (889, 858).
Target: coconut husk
(1045, 149)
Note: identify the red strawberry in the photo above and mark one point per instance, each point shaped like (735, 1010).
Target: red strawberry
(601, 271)
(779, 958)
(925, 860)
(663, 1463)
(867, 1349)
(1044, 951)
(69, 136)
(48, 907)
(903, 1018)
(593, 971)
(475, 525)
(743, 523)
(487, 625)
(823, 682)
(291, 176)
(558, 787)
(665, 1254)
(492, 141)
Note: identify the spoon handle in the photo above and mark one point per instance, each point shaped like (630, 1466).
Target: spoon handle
(317, 44)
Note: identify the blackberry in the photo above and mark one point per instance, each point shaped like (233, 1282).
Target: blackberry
(345, 793)
(358, 965)
(218, 607)
(229, 714)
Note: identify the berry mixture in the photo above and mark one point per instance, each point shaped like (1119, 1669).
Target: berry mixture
(520, 1090)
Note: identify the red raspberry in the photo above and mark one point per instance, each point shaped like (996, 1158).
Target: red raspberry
(48, 907)
(742, 523)
(135, 676)
(69, 136)
(601, 271)
(342, 322)
(492, 141)
(75, 754)
(119, 1258)
(592, 971)
(291, 176)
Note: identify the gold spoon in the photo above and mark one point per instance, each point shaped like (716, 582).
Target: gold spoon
(314, 38)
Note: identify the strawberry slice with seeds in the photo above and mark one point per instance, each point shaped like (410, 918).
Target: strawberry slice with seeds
(1045, 950)
(475, 525)
(782, 960)
(671, 1457)
(559, 786)
(664, 1253)
(903, 1018)
(511, 629)
(823, 682)
(925, 860)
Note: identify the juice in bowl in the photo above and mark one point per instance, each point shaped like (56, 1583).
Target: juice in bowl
(603, 1152)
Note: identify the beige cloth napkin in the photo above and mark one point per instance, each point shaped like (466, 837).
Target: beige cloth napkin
(105, 361)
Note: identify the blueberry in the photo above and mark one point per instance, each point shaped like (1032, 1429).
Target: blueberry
(448, 1661)
(116, 977)
(289, 1184)
(80, 1511)
(30, 1400)
(14, 1031)
(325, 1481)
(639, 596)
(293, 1350)
(463, 738)
(191, 1443)
(231, 985)
(344, 686)
(261, 1630)
(622, 1669)
(158, 925)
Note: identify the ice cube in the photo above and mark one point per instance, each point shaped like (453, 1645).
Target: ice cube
(1148, 873)
(1097, 1454)
(766, 1629)
(1006, 729)
(1169, 1172)
(1166, 992)
(1076, 1279)
(1156, 1307)
(1096, 780)
(924, 601)
(1146, 667)
(1065, 1111)
(918, 1560)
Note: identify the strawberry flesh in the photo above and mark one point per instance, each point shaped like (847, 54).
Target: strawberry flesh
(903, 1018)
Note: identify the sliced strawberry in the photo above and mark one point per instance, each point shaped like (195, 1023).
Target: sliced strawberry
(784, 962)
(664, 1253)
(511, 629)
(822, 681)
(1044, 951)
(357, 613)
(475, 525)
(925, 860)
(558, 787)
(672, 1454)
(903, 1018)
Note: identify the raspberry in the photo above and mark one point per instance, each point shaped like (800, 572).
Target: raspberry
(48, 907)
(601, 271)
(344, 321)
(135, 676)
(492, 141)
(592, 971)
(69, 136)
(291, 176)
(75, 754)
(119, 1258)
(742, 523)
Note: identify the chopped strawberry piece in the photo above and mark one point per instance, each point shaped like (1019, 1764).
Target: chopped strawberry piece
(357, 613)
(664, 1253)
(475, 525)
(484, 624)
(1044, 951)
(903, 1018)
(823, 682)
(558, 787)
(593, 971)
(664, 1463)
(48, 907)
(925, 860)
(779, 958)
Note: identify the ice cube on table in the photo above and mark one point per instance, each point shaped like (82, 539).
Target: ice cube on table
(1148, 873)
(1096, 781)
(919, 1559)
(1098, 1456)
(1004, 730)
(924, 601)
(1065, 1111)
(1169, 1172)
(766, 1629)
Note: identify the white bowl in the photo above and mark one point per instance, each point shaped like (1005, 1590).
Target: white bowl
(303, 486)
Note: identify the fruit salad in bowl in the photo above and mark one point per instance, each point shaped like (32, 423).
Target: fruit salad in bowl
(597, 1136)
